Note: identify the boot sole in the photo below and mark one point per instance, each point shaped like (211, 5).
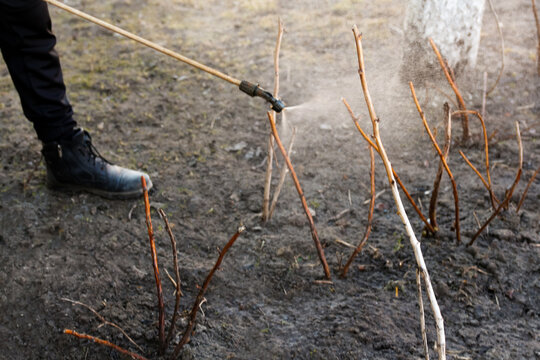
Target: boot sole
(53, 184)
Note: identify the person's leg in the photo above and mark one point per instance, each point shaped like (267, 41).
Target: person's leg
(27, 44)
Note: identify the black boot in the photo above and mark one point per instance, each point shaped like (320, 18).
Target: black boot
(76, 165)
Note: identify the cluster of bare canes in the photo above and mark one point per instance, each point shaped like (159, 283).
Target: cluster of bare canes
(431, 226)
(430, 222)
(164, 341)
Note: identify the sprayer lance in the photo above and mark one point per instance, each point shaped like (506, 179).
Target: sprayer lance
(245, 86)
(256, 90)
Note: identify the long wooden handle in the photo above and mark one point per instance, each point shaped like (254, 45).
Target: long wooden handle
(143, 41)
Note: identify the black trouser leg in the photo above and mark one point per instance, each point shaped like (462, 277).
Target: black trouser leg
(27, 45)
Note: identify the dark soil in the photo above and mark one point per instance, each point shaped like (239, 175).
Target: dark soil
(203, 143)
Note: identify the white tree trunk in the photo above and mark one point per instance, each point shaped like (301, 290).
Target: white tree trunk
(455, 27)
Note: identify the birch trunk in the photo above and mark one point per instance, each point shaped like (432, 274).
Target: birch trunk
(454, 25)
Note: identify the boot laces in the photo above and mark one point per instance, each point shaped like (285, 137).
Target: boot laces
(93, 153)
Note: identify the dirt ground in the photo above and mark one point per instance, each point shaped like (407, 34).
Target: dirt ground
(203, 143)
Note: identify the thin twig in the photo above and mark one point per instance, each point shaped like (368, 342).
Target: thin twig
(486, 151)
(443, 160)
(400, 183)
(339, 215)
(161, 307)
(484, 94)
(439, 322)
(370, 216)
(104, 321)
(202, 291)
(422, 317)
(505, 201)
(476, 218)
(465, 118)
(173, 282)
(537, 35)
(440, 169)
(277, 49)
(266, 212)
(495, 201)
(104, 342)
(177, 283)
(314, 235)
(453, 101)
(527, 189)
(344, 243)
(486, 185)
(268, 178)
(499, 29)
(282, 175)
(323, 282)
(377, 196)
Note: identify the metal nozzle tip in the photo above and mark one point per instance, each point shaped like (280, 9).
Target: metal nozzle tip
(278, 105)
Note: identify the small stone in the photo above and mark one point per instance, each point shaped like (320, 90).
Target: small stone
(490, 266)
(249, 155)
(183, 322)
(235, 197)
(472, 250)
(195, 204)
(297, 220)
(504, 234)
(284, 251)
(442, 290)
(186, 353)
(254, 203)
(201, 328)
(237, 147)
(479, 312)
(530, 236)
(150, 335)
(325, 127)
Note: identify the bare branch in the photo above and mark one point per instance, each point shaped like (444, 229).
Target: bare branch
(439, 322)
(282, 175)
(104, 342)
(177, 283)
(266, 212)
(509, 192)
(440, 169)
(370, 216)
(161, 307)
(537, 35)
(314, 235)
(527, 189)
(104, 321)
(492, 196)
(499, 29)
(400, 183)
(202, 291)
(443, 160)
(465, 118)
(422, 317)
